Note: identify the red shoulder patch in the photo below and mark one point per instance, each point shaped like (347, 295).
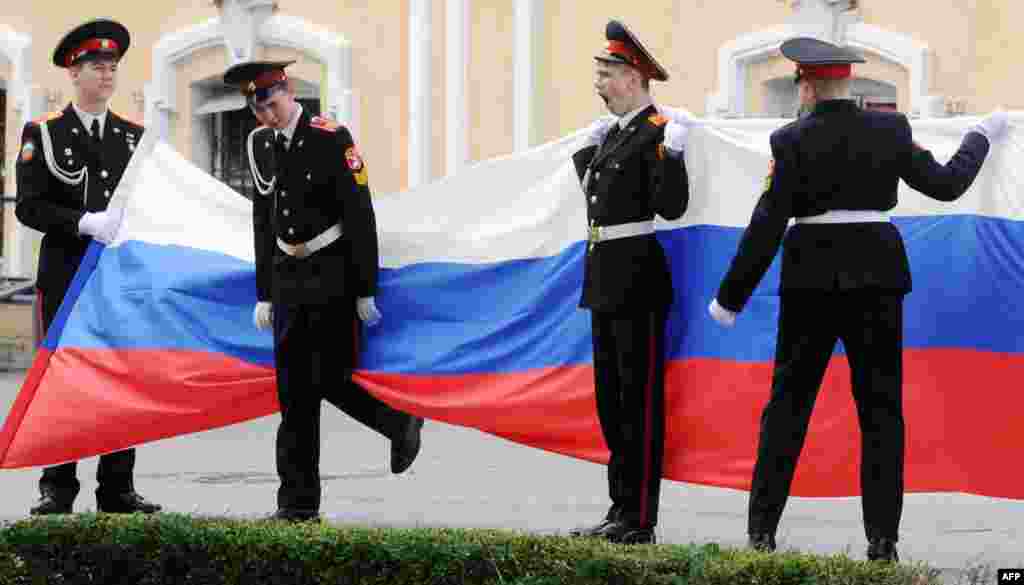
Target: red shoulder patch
(356, 165)
(28, 151)
(325, 124)
(354, 161)
(658, 120)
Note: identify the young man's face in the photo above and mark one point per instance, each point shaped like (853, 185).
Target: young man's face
(95, 80)
(276, 110)
(616, 84)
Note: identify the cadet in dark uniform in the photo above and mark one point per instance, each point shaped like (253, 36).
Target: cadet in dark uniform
(316, 269)
(844, 274)
(631, 168)
(69, 165)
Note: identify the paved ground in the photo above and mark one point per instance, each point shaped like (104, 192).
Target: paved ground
(466, 478)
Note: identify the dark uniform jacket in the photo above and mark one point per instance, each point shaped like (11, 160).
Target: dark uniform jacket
(80, 176)
(631, 177)
(320, 181)
(842, 157)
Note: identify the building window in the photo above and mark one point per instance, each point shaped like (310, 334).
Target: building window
(229, 130)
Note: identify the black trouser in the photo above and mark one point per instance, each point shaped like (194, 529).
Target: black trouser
(114, 472)
(315, 349)
(629, 379)
(871, 329)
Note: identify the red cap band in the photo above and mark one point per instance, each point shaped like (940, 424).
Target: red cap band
(824, 71)
(265, 80)
(625, 51)
(91, 45)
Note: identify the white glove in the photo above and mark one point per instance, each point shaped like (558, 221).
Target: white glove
(992, 126)
(263, 315)
(675, 136)
(366, 307)
(101, 225)
(725, 317)
(597, 130)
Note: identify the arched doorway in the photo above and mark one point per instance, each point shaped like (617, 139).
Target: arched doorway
(278, 32)
(747, 61)
(223, 123)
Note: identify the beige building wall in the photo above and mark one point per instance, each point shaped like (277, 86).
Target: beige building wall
(489, 89)
(974, 49)
(998, 33)
(684, 35)
(946, 27)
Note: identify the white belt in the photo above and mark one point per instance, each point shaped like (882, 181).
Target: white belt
(600, 233)
(846, 216)
(308, 248)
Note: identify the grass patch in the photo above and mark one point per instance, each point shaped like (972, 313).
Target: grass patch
(176, 548)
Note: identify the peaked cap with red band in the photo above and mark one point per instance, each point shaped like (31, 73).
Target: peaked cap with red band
(257, 79)
(96, 38)
(817, 59)
(624, 48)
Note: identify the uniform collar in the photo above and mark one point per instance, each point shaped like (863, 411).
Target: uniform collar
(628, 117)
(87, 118)
(839, 105)
(289, 130)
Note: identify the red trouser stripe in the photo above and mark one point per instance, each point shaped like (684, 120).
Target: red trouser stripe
(645, 484)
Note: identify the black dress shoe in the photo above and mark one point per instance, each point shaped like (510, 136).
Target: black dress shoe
(52, 501)
(125, 503)
(407, 447)
(882, 549)
(761, 541)
(595, 530)
(295, 515)
(626, 533)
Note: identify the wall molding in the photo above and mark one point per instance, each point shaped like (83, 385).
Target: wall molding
(734, 56)
(278, 30)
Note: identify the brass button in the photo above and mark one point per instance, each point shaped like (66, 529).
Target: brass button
(291, 231)
(106, 194)
(104, 174)
(593, 199)
(286, 212)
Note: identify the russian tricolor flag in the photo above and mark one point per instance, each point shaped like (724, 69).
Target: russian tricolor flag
(479, 289)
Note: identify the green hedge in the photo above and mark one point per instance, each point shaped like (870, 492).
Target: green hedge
(172, 548)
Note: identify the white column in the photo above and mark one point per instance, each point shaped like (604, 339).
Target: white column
(419, 92)
(526, 28)
(28, 102)
(456, 114)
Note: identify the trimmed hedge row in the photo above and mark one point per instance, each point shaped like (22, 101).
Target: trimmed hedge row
(174, 548)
